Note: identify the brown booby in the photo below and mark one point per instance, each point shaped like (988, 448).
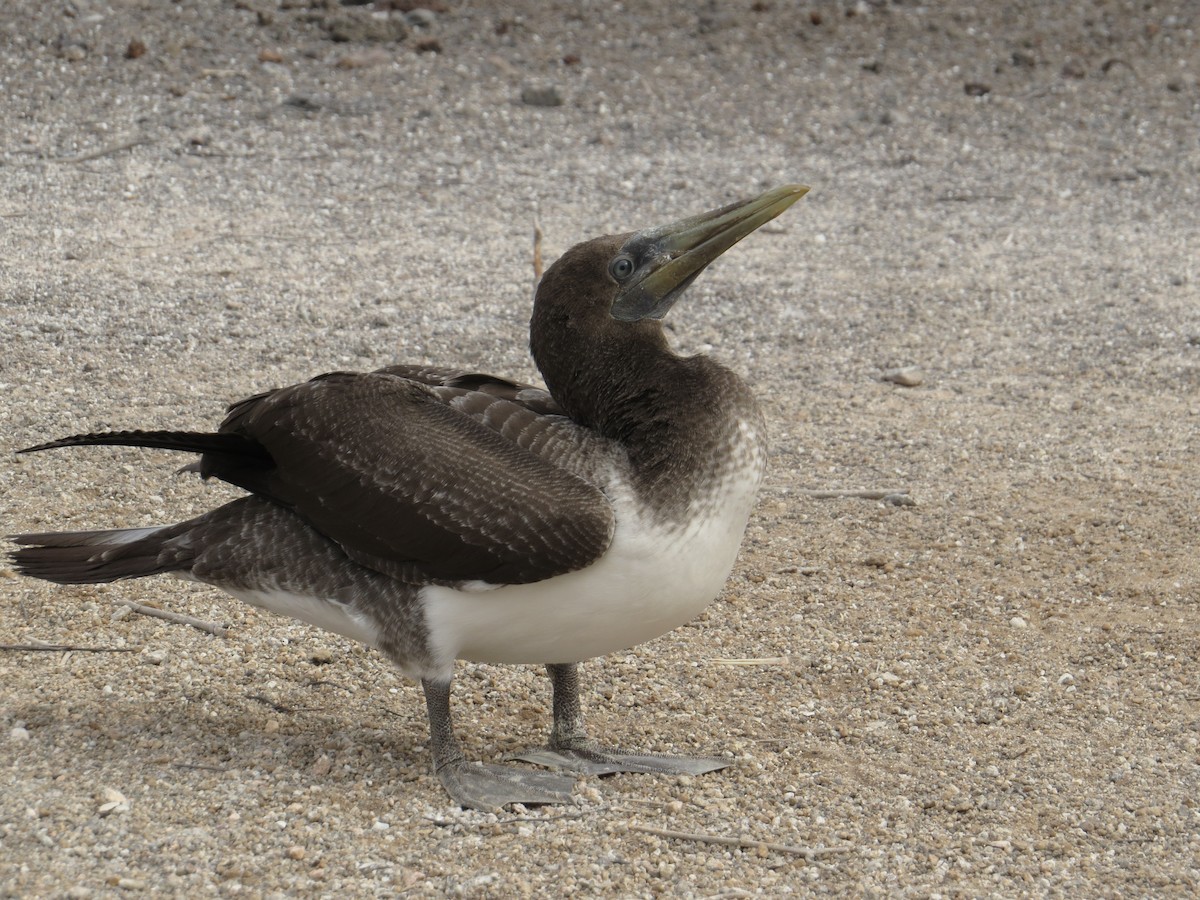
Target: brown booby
(439, 514)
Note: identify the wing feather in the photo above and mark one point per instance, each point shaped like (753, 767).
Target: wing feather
(427, 481)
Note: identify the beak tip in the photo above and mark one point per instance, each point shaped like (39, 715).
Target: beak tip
(795, 191)
(693, 243)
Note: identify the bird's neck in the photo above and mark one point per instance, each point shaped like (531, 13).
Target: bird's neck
(678, 418)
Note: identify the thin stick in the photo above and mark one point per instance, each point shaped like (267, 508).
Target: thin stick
(177, 618)
(819, 494)
(267, 701)
(198, 766)
(534, 820)
(103, 151)
(808, 853)
(756, 661)
(537, 248)
(971, 198)
(63, 648)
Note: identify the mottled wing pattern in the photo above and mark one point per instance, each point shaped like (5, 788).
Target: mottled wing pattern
(521, 413)
(535, 399)
(409, 485)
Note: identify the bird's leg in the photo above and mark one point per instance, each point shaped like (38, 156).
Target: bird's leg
(481, 785)
(570, 748)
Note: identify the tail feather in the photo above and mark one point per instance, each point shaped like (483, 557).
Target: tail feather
(96, 557)
(187, 441)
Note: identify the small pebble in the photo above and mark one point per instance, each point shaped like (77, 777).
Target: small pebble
(113, 802)
(1017, 622)
(371, 57)
(549, 95)
(352, 27)
(295, 852)
(905, 376)
(420, 18)
(18, 733)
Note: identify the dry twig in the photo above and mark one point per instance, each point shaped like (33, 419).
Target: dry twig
(899, 498)
(809, 854)
(103, 151)
(828, 494)
(537, 249)
(177, 618)
(267, 701)
(754, 661)
(538, 820)
(63, 648)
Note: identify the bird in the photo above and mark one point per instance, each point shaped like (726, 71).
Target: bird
(443, 514)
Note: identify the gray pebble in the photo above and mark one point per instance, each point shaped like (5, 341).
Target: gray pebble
(421, 19)
(906, 376)
(358, 28)
(541, 95)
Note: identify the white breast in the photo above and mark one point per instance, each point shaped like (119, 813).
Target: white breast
(653, 578)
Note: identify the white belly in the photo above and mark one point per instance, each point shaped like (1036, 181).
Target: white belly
(652, 579)
(329, 615)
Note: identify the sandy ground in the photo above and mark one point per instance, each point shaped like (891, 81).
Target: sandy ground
(992, 692)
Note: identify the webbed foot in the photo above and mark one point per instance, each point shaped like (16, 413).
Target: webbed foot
(483, 786)
(590, 758)
(571, 749)
(488, 787)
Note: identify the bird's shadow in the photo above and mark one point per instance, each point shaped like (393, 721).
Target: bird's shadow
(293, 725)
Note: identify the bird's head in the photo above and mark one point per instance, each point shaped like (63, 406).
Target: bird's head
(652, 268)
(634, 277)
(607, 295)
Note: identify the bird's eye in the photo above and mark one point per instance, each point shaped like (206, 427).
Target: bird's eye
(621, 268)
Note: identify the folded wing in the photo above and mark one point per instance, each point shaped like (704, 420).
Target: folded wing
(411, 485)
